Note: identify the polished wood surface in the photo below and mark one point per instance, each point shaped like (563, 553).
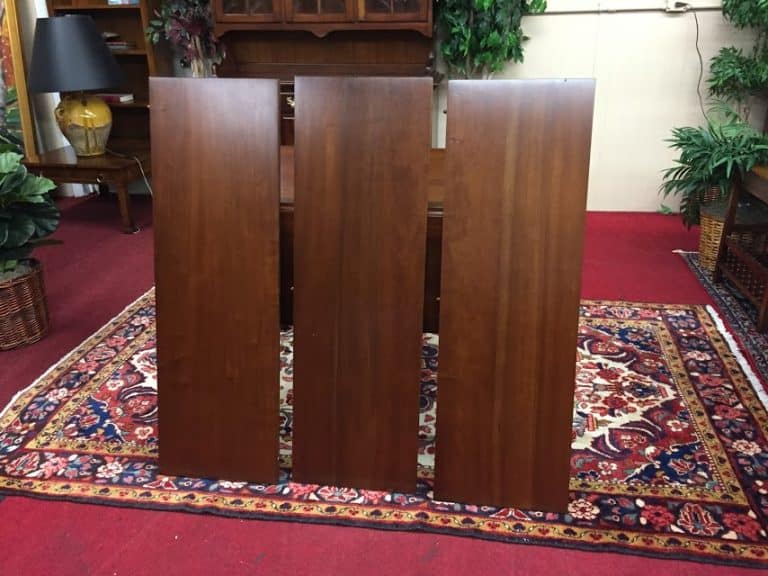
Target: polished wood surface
(435, 184)
(117, 168)
(517, 168)
(324, 20)
(360, 237)
(216, 206)
(284, 55)
(435, 177)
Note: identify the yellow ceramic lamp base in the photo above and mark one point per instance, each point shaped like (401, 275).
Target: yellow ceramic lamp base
(85, 121)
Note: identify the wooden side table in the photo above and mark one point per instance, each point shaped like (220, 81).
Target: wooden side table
(63, 166)
(745, 263)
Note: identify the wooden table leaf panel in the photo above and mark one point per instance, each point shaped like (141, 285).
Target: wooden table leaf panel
(359, 256)
(216, 210)
(513, 221)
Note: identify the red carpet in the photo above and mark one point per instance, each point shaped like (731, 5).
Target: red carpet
(98, 271)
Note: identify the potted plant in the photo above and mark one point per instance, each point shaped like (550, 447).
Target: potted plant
(477, 37)
(27, 217)
(710, 157)
(188, 26)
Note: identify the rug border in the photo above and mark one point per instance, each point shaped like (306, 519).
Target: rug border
(84, 343)
(409, 527)
(754, 380)
(720, 300)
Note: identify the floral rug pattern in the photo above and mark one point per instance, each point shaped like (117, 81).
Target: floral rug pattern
(669, 448)
(738, 311)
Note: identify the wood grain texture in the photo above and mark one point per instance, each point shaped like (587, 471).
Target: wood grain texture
(284, 55)
(517, 169)
(360, 237)
(216, 204)
(434, 235)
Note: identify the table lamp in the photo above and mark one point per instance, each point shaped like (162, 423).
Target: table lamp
(70, 56)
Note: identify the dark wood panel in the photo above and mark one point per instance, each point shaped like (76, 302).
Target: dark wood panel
(360, 237)
(517, 169)
(432, 267)
(216, 204)
(287, 54)
(322, 30)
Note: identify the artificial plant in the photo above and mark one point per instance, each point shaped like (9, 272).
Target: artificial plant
(736, 75)
(478, 37)
(710, 156)
(188, 26)
(27, 212)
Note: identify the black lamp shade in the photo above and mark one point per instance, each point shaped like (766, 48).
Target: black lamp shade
(69, 55)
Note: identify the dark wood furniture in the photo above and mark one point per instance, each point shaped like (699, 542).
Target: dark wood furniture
(435, 184)
(320, 17)
(517, 168)
(743, 259)
(216, 208)
(64, 166)
(130, 120)
(288, 38)
(360, 223)
(284, 55)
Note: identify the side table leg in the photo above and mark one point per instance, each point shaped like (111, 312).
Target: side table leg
(125, 208)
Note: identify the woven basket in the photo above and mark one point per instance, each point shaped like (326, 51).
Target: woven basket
(709, 241)
(23, 309)
(712, 223)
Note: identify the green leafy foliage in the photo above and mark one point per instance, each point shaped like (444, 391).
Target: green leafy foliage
(27, 212)
(711, 155)
(734, 74)
(747, 13)
(480, 36)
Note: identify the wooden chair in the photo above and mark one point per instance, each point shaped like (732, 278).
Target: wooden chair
(745, 263)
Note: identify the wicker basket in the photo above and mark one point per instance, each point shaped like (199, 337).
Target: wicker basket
(23, 309)
(709, 240)
(712, 220)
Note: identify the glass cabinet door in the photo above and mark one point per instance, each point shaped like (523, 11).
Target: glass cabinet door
(249, 10)
(320, 10)
(393, 10)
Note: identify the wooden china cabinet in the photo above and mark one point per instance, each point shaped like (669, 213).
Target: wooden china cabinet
(287, 38)
(323, 16)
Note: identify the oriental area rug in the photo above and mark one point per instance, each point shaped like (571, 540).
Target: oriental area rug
(669, 447)
(738, 311)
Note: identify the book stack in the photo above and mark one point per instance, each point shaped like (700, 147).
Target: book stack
(115, 43)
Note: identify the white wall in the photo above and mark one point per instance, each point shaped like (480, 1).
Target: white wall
(646, 69)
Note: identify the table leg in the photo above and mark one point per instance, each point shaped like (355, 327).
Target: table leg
(129, 227)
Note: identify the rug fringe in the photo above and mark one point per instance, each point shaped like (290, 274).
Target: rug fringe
(26, 389)
(744, 364)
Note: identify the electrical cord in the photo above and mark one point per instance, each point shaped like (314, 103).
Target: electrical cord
(138, 163)
(701, 63)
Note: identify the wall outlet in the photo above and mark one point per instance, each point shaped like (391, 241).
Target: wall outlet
(677, 6)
